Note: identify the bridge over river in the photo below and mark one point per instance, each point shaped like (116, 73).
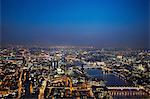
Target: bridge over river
(135, 92)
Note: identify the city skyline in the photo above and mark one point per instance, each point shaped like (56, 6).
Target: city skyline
(100, 23)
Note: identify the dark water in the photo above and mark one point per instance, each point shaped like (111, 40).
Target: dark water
(111, 79)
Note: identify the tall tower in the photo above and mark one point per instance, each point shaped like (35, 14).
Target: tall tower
(53, 64)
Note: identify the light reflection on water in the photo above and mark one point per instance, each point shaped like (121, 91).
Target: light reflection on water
(111, 79)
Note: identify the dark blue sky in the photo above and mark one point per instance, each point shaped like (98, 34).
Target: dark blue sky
(101, 23)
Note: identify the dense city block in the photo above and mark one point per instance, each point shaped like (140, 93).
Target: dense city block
(74, 72)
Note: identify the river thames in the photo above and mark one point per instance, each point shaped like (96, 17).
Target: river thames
(110, 79)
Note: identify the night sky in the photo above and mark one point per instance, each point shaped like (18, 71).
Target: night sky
(99, 23)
